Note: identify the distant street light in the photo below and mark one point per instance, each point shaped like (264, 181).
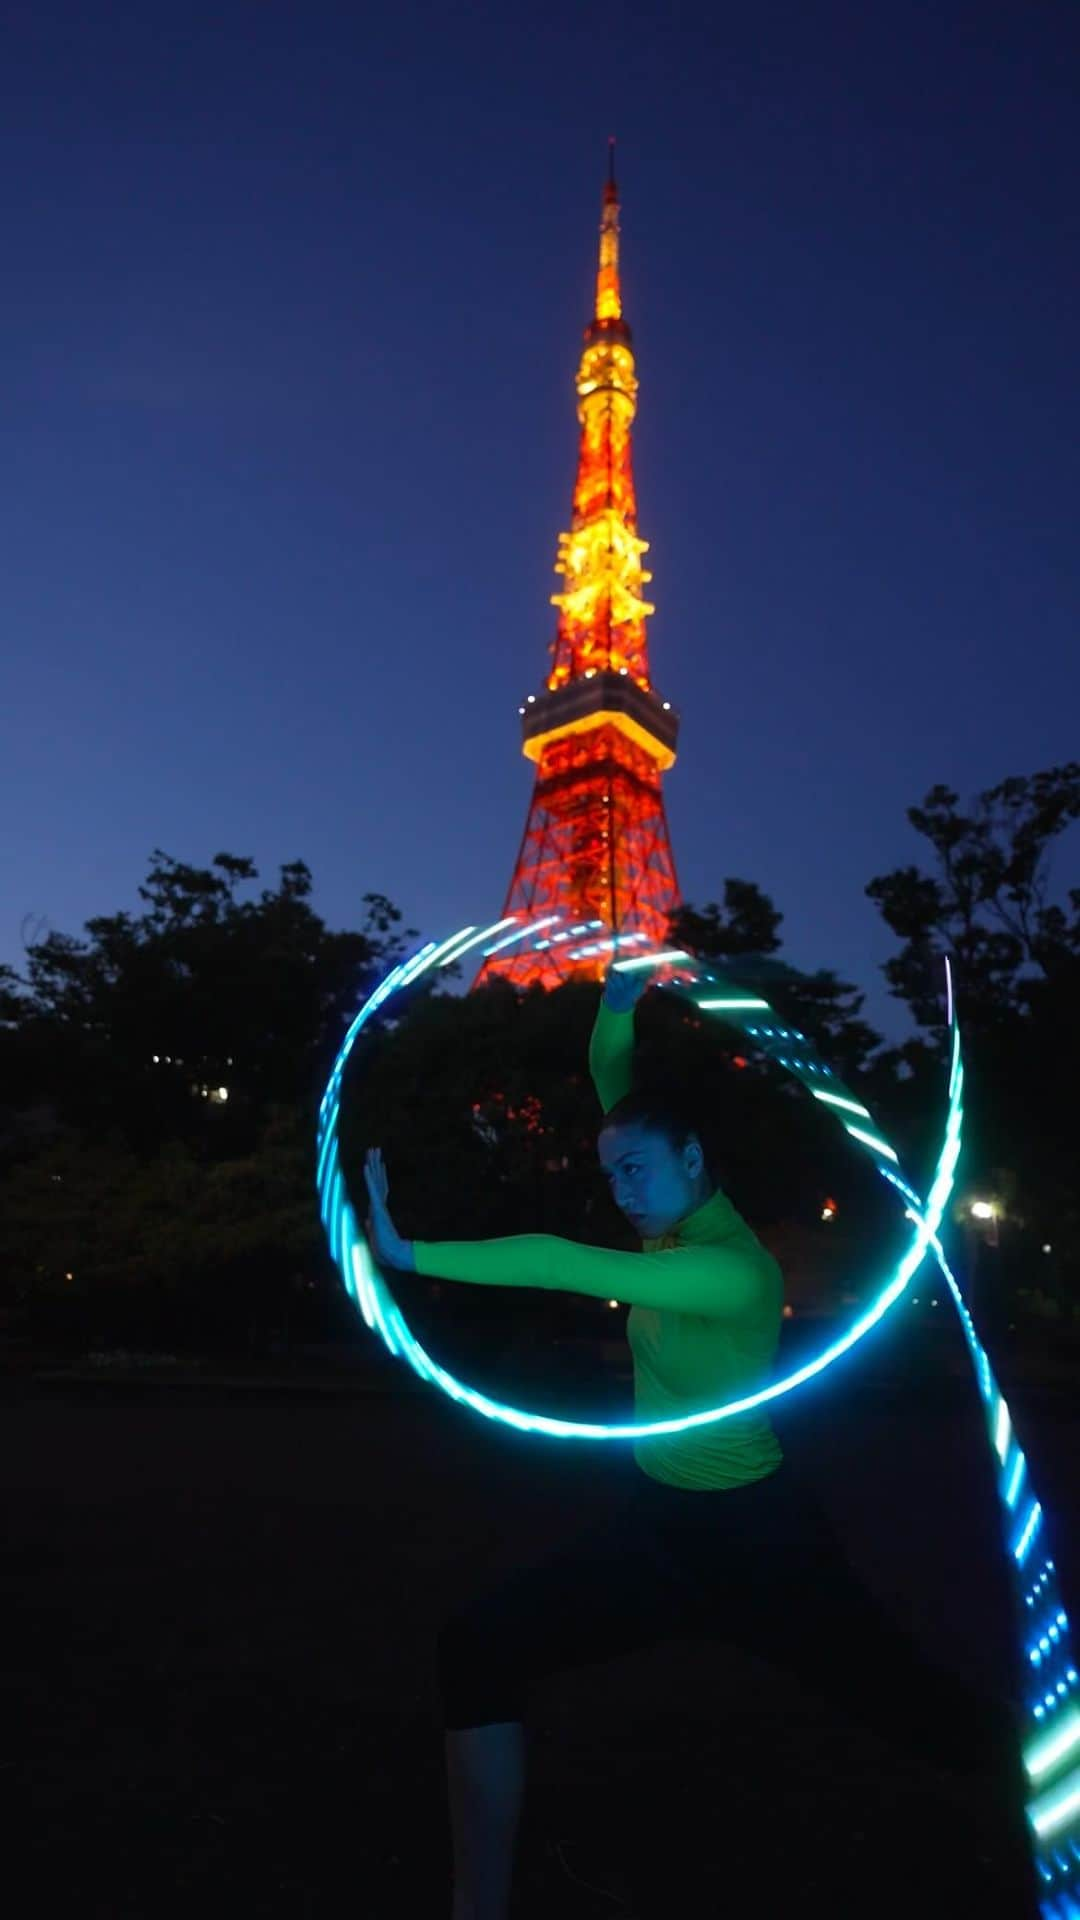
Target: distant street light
(983, 1209)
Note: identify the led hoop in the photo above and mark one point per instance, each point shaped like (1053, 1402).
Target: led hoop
(367, 1288)
(1051, 1743)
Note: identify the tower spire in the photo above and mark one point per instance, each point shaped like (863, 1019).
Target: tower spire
(596, 847)
(608, 290)
(602, 604)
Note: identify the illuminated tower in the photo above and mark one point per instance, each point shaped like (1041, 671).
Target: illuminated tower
(596, 846)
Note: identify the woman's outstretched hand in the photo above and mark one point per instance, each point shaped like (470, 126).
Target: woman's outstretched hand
(622, 991)
(386, 1242)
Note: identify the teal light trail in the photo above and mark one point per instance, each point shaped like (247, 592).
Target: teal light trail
(1051, 1723)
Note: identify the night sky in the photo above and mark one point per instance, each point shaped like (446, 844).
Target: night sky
(293, 301)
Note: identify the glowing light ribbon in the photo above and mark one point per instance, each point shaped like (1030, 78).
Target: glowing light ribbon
(1051, 1730)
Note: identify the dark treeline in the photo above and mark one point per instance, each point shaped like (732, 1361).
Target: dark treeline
(160, 1080)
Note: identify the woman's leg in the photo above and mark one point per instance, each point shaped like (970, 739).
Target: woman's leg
(817, 1618)
(485, 1774)
(596, 1599)
(802, 1606)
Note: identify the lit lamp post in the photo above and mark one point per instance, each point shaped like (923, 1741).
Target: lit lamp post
(988, 1212)
(979, 1215)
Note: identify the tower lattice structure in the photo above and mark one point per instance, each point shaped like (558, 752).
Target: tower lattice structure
(596, 846)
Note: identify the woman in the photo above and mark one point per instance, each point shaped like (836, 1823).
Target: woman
(718, 1536)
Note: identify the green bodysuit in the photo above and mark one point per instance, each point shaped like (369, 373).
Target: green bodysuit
(705, 1308)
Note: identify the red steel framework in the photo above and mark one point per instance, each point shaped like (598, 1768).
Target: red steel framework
(596, 844)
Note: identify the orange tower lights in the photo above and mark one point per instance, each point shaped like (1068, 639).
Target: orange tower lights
(596, 844)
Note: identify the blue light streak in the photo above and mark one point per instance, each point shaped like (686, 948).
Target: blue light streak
(1054, 1727)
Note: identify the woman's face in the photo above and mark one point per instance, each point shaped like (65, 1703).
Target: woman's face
(652, 1184)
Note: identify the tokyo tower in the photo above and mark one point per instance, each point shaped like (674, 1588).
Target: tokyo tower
(595, 849)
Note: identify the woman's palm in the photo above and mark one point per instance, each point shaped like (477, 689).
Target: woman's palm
(375, 1174)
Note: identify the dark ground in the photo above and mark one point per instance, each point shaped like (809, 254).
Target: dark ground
(218, 1652)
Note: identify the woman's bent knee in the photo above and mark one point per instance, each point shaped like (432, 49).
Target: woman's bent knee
(480, 1678)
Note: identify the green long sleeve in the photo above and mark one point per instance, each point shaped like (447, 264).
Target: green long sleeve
(719, 1278)
(717, 1268)
(611, 1054)
(705, 1306)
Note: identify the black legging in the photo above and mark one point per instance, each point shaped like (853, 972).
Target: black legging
(758, 1565)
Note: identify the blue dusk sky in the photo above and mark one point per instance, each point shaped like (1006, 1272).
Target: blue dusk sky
(293, 300)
